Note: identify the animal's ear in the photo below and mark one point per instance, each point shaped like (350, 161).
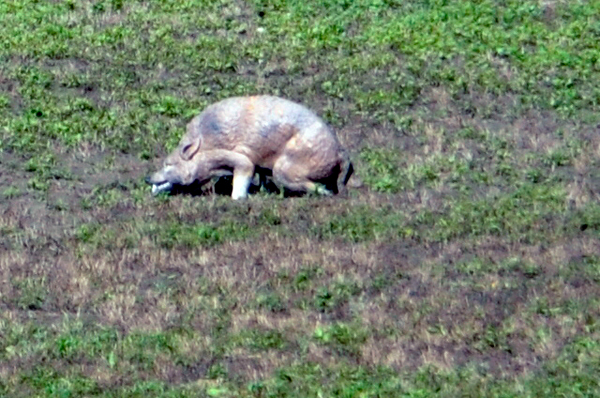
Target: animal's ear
(189, 149)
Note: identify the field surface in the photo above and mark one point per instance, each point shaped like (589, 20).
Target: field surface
(467, 264)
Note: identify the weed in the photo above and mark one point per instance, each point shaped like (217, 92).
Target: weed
(271, 302)
(33, 293)
(11, 192)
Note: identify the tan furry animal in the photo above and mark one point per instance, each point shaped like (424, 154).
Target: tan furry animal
(244, 135)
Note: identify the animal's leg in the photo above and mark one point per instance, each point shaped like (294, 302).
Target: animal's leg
(294, 177)
(243, 172)
(241, 183)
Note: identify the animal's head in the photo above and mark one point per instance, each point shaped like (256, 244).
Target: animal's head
(182, 167)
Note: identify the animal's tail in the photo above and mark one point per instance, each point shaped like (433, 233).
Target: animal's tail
(346, 170)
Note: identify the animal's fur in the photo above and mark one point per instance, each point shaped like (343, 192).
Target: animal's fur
(243, 135)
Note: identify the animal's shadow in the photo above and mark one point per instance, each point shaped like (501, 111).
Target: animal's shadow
(262, 181)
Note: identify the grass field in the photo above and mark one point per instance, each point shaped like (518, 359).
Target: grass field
(468, 263)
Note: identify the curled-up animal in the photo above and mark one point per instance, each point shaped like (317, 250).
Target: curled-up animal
(243, 136)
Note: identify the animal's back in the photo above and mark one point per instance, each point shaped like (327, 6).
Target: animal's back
(261, 126)
(258, 114)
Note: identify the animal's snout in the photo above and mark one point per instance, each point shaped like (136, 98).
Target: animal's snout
(148, 180)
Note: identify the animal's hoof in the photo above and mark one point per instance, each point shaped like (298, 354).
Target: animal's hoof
(158, 188)
(321, 190)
